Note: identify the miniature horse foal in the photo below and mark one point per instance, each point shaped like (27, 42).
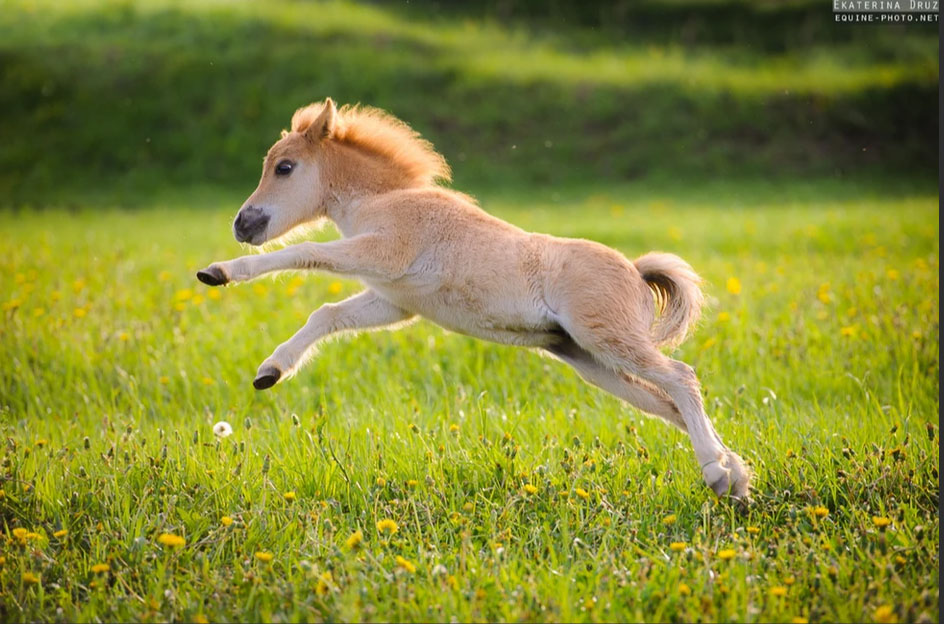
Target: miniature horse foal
(423, 250)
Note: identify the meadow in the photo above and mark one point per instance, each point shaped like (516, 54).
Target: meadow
(422, 475)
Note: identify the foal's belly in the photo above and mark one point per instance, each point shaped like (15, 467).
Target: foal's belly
(466, 310)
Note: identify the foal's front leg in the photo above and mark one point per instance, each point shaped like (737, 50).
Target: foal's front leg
(367, 255)
(364, 310)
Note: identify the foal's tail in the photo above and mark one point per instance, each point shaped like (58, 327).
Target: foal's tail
(678, 295)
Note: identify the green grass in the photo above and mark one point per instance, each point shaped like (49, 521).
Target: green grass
(822, 371)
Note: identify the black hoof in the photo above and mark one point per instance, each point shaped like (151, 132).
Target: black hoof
(212, 276)
(266, 378)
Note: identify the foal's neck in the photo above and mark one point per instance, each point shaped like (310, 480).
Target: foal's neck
(351, 177)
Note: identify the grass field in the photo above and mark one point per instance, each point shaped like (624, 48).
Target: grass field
(516, 491)
(421, 475)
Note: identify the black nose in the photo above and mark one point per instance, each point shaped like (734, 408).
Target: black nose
(250, 221)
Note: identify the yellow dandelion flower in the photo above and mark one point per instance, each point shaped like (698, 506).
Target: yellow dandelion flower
(60, 533)
(20, 533)
(670, 519)
(530, 489)
(324, 583)
(260, 289)
(778, 591)
(80, 312)
(468, 507)
(214, 294)
(78, 285)
(849, 331)
(710, 342)
(355, 539)
(381, 482)
(677, 546)
(582, 493)
(33, 536)
(183, 295)
(180, 306)
(684, 589)
(821, 512)
(42, 442)
(264, 556)
(900, 560)
(207, 381)
(799, 620)
(454, 428)
(163, 380)
(38, 311)
(387, 526)
(406, 564)
(564, 494)
(726, 554)
(335, 288)
(885, 615)
(790, 580)
(733, 285)
(892, 274)
(753, 530)
(880, 521)
(98, 568)
(723, 317)
(30, 579)
(200, 619)
(289, 496)
(226, 521)
(412, 483)
(170, 540)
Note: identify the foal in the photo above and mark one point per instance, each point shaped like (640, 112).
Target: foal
(423, 250)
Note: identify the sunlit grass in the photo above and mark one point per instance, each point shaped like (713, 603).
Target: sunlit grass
(491, 50)
(422, 475)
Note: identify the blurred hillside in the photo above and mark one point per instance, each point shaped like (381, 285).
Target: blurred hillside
(129, 97)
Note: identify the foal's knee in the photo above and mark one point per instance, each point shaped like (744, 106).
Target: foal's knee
(326, 315)
(685, 372)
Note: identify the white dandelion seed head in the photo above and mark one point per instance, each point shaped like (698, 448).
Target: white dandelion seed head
(222, 429)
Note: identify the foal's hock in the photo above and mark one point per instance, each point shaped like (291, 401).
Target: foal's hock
(423, 250)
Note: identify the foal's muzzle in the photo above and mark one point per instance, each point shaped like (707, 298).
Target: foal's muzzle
(250, 225)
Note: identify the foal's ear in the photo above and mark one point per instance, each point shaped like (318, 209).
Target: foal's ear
(323, 125)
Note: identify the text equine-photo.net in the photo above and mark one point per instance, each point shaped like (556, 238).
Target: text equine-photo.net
(886, 11)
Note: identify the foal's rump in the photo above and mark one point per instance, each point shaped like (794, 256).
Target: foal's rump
(609, 304)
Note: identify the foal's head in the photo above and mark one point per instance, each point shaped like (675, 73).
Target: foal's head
(329, 157)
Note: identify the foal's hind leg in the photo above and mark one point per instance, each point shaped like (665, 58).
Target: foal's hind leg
(724, 471)
(364, 310)
(638, 393)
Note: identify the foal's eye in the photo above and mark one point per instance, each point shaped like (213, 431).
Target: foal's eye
(284, 168)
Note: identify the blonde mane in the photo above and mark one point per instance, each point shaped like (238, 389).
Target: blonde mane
(378, 132)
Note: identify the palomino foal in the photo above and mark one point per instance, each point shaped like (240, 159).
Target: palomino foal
(423, 250)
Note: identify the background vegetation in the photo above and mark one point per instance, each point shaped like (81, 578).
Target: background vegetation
(421, 475)
(145, 96)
